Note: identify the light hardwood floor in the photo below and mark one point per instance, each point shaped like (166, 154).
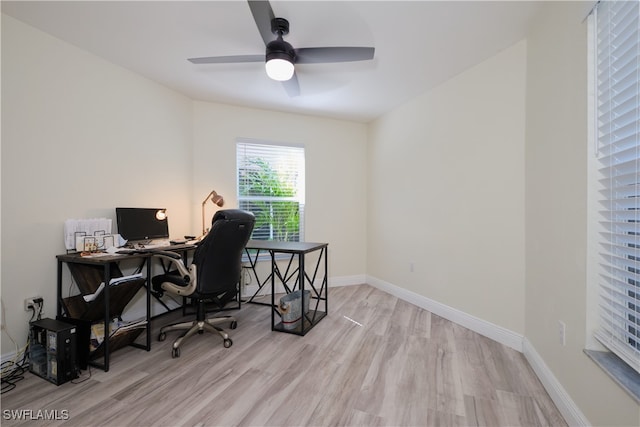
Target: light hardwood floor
(374, 360)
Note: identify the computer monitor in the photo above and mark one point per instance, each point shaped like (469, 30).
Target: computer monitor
(141, 224)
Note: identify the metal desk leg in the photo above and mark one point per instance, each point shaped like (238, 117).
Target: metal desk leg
(273, 291)
(301, 280)
(107, 316)
(148, 290)
(59, 309)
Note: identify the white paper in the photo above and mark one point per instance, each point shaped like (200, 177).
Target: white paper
(89, 227)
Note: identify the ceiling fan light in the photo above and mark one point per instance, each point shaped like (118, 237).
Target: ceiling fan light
(279, 69)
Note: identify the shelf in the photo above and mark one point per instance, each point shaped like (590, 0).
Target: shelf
(119, 296)
(89, 277)
(305, 327)
(118, 340)
(109, 303)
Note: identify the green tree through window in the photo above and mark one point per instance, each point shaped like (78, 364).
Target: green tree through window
(270, 178)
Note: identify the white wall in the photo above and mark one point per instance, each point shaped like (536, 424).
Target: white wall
(80, 136)
(335, 163)
(556, 213)
(446, 192)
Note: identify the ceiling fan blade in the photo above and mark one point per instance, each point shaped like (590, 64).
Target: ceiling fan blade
(263, 15)
(227, 59)
(317, 55)
(291, 86)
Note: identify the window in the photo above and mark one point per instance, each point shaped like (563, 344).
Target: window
(271, 185)
(616, 72)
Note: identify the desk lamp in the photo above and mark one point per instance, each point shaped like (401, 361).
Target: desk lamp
(217, 200)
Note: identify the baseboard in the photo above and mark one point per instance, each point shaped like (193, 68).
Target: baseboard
(567, 407)
(357, 279)
(487, 329)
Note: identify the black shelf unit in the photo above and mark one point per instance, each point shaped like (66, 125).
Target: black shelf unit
(88, 273)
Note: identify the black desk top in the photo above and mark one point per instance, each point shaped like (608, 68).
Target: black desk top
(285, 247)
(267, 245)
(103, 257)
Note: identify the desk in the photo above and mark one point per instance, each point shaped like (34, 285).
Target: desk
(298, 275)
(103, 268)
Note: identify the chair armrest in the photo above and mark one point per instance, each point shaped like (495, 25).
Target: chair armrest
(167, 254)
(189, 275)
(174, 259)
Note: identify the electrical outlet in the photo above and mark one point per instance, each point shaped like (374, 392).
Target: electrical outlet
(30, 302)
(562, 332)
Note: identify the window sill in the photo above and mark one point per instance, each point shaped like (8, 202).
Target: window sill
(619, 371)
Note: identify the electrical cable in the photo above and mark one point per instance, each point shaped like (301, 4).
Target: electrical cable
(78, 380)
(12, 370)
(40, 308)
(10, 379)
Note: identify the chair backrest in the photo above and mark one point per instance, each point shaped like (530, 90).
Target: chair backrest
(219, 255)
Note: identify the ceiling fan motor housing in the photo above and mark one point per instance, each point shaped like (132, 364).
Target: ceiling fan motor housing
(280, 49)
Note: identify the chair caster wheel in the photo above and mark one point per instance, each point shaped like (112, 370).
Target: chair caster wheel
(175, 352)
(233, 325)
(227, 343)
(162, 336)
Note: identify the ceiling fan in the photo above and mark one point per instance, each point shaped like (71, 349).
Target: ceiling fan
(280, 57)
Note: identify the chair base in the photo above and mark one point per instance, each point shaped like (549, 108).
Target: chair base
(198, 326)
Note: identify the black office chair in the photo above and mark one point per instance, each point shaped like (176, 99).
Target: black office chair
(213, 277)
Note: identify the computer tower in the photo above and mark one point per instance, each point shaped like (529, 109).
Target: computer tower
(52, 350)
(83, 334)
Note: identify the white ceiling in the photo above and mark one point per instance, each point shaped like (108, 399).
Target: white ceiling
(419, 44)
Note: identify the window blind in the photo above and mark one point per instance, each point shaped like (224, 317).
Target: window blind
(271, 183)
(617, 76)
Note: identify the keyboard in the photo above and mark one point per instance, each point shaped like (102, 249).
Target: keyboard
(155, 244)
(148, 244)
(139, 245)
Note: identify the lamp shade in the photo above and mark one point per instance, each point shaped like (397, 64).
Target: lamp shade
(279, 69)
(217, 199)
